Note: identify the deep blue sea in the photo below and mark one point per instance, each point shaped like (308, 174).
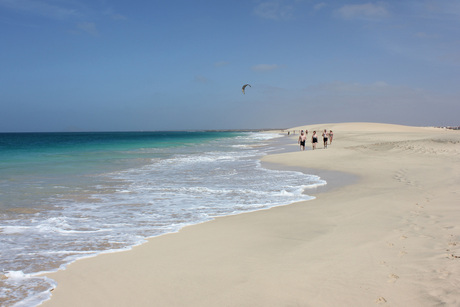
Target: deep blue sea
(64, 196)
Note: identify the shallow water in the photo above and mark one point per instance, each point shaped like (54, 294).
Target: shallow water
(67, 196)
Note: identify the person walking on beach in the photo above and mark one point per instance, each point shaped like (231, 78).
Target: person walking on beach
(331, 135)
(325, 135)
(302, 139)
(314, 140)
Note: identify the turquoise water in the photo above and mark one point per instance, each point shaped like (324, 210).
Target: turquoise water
(64, 153)
(64, 196)
(37, 160)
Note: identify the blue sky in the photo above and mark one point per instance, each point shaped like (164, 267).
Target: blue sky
(100, 65)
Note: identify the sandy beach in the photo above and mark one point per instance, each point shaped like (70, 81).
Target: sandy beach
(386, 233)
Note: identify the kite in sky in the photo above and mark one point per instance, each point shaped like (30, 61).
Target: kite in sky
(244, 86)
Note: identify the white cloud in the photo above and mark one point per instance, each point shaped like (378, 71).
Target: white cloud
(67, 10)
(450, 58)
(425, 35)
(118, 17)
(441, 9)
(421, 35)
(377, 88)
(221, 64)
(265, 67)
(42, 8)
(363, 11)
(201, 79)
(381, 102)
(275, 10)
(319, 6)
(88, 27)
(115, 16)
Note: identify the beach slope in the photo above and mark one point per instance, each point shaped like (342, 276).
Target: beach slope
(391, 236)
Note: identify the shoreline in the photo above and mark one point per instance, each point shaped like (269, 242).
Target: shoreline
(334, 179)
(377, 240)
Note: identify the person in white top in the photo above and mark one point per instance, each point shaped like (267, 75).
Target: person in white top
(325, 137)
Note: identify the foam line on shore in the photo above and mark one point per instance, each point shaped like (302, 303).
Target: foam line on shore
(391, 236)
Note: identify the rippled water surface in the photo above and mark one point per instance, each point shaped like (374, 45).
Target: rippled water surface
(65, 196)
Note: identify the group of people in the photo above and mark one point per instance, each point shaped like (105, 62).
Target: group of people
(327, 136)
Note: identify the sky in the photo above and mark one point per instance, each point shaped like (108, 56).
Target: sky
(102, 65)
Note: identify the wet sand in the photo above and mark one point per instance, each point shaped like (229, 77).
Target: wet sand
(385, 231)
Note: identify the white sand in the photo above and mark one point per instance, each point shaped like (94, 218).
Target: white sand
(391, 238)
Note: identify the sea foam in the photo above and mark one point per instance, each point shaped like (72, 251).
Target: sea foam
(141, 193)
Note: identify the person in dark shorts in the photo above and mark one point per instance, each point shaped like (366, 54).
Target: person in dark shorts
(325, 136)
(302, 139)
(314, 140)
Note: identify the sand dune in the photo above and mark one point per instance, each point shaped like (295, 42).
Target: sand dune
(390, 237)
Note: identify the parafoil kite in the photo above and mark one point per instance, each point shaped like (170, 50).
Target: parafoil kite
(244, 87)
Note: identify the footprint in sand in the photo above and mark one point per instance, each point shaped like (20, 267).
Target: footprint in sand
(451, 242)
(393, 278)
(401, 176)
(443, 274)
(381, 300)
(415, 213)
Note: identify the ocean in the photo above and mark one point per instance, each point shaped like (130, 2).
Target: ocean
(66, 196)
